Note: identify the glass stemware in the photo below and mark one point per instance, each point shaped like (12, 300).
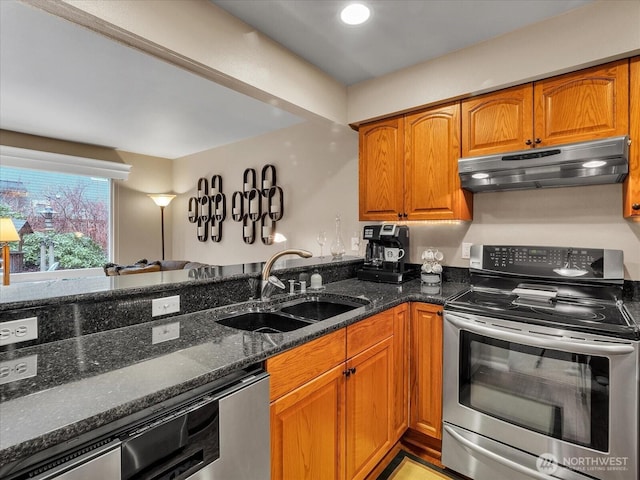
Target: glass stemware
(321, 239)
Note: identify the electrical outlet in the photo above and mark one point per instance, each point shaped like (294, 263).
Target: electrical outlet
(466, 250)
(164, 333)
(165, 306)
(355, 244)
(18, 369)
(16, 331)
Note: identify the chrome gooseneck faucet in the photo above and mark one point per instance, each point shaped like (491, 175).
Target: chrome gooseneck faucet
(270, 282)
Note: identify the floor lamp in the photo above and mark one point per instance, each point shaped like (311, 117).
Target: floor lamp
(162, 200)
(8, 233)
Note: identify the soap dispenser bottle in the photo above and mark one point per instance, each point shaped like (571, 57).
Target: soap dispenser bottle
(316, 280)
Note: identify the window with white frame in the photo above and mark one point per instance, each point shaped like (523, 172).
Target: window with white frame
(61, 207)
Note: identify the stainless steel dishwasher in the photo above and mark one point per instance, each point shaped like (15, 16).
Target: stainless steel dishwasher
(217, 433)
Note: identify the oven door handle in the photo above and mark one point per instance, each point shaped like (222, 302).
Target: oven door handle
(497, 458)
(540, 340)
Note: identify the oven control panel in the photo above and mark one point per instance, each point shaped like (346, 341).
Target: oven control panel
(568, 262)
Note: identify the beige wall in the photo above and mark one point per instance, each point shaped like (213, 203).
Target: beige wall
(589, 216)
(593, 34)
(317, 167)
(137, 232)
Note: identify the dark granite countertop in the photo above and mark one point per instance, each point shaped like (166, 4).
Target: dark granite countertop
(86, 383)
(90, 381)
(60, 291)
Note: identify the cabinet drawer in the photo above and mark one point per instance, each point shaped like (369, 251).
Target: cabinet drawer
(293, 368)
(367, 333)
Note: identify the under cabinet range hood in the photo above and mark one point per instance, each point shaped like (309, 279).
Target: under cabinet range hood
(585, 163)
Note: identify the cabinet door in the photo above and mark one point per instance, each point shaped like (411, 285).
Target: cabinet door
(307, 430)
(369, 399)
(426, 369)
(583, 105)
(432, 149)
(632, 183)
(498, 122)
(381, 169)
(400, 410)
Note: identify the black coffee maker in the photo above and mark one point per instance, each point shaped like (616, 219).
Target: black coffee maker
(387, 254)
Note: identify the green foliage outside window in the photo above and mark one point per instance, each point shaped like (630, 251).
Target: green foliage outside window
(71, 251)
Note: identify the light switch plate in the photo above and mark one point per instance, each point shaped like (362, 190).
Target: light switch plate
(164, 333)
(165, 305)
(18, 369)
(466, 250)
(16, 331)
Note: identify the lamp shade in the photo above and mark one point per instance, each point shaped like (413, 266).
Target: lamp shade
(8, 232)
(161, 199)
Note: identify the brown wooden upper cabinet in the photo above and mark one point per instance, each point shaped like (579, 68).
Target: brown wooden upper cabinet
(631, 206)
(409, 167)
(381, 175)
(583, 105)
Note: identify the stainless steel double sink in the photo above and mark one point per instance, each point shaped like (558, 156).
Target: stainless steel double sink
(292, 315)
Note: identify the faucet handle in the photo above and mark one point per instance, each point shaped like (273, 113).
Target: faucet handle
(275, 281)
(254, 283)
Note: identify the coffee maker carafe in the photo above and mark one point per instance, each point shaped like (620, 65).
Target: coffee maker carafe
(387, 254)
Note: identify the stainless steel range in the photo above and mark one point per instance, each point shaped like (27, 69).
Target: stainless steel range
(541, 367)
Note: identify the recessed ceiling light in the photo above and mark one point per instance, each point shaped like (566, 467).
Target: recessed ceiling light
(355, 14)
(480, 176)
(594, 164)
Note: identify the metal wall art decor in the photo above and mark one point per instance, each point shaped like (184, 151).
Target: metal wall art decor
(259, 205)
(208, 209)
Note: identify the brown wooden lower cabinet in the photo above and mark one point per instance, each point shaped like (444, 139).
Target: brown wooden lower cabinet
(307, 430)
(339, 423)
(369, 393)
(425, 379)
(400, 420)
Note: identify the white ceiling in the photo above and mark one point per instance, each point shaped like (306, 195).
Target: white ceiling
(399, 33)
(63, 81)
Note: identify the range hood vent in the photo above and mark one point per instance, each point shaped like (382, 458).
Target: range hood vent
(585, 163)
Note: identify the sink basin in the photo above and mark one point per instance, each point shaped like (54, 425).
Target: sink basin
(292, 315)
(263, 322)
(319, 309)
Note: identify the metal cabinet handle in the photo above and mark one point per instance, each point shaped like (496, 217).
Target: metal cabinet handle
(635, 206)
(497, 458)
(537, 141)
(528, 142)
(349, 371)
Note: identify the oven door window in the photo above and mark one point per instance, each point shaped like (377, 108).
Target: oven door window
(559, 394)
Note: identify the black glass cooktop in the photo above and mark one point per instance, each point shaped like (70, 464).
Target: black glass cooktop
(605, 316)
